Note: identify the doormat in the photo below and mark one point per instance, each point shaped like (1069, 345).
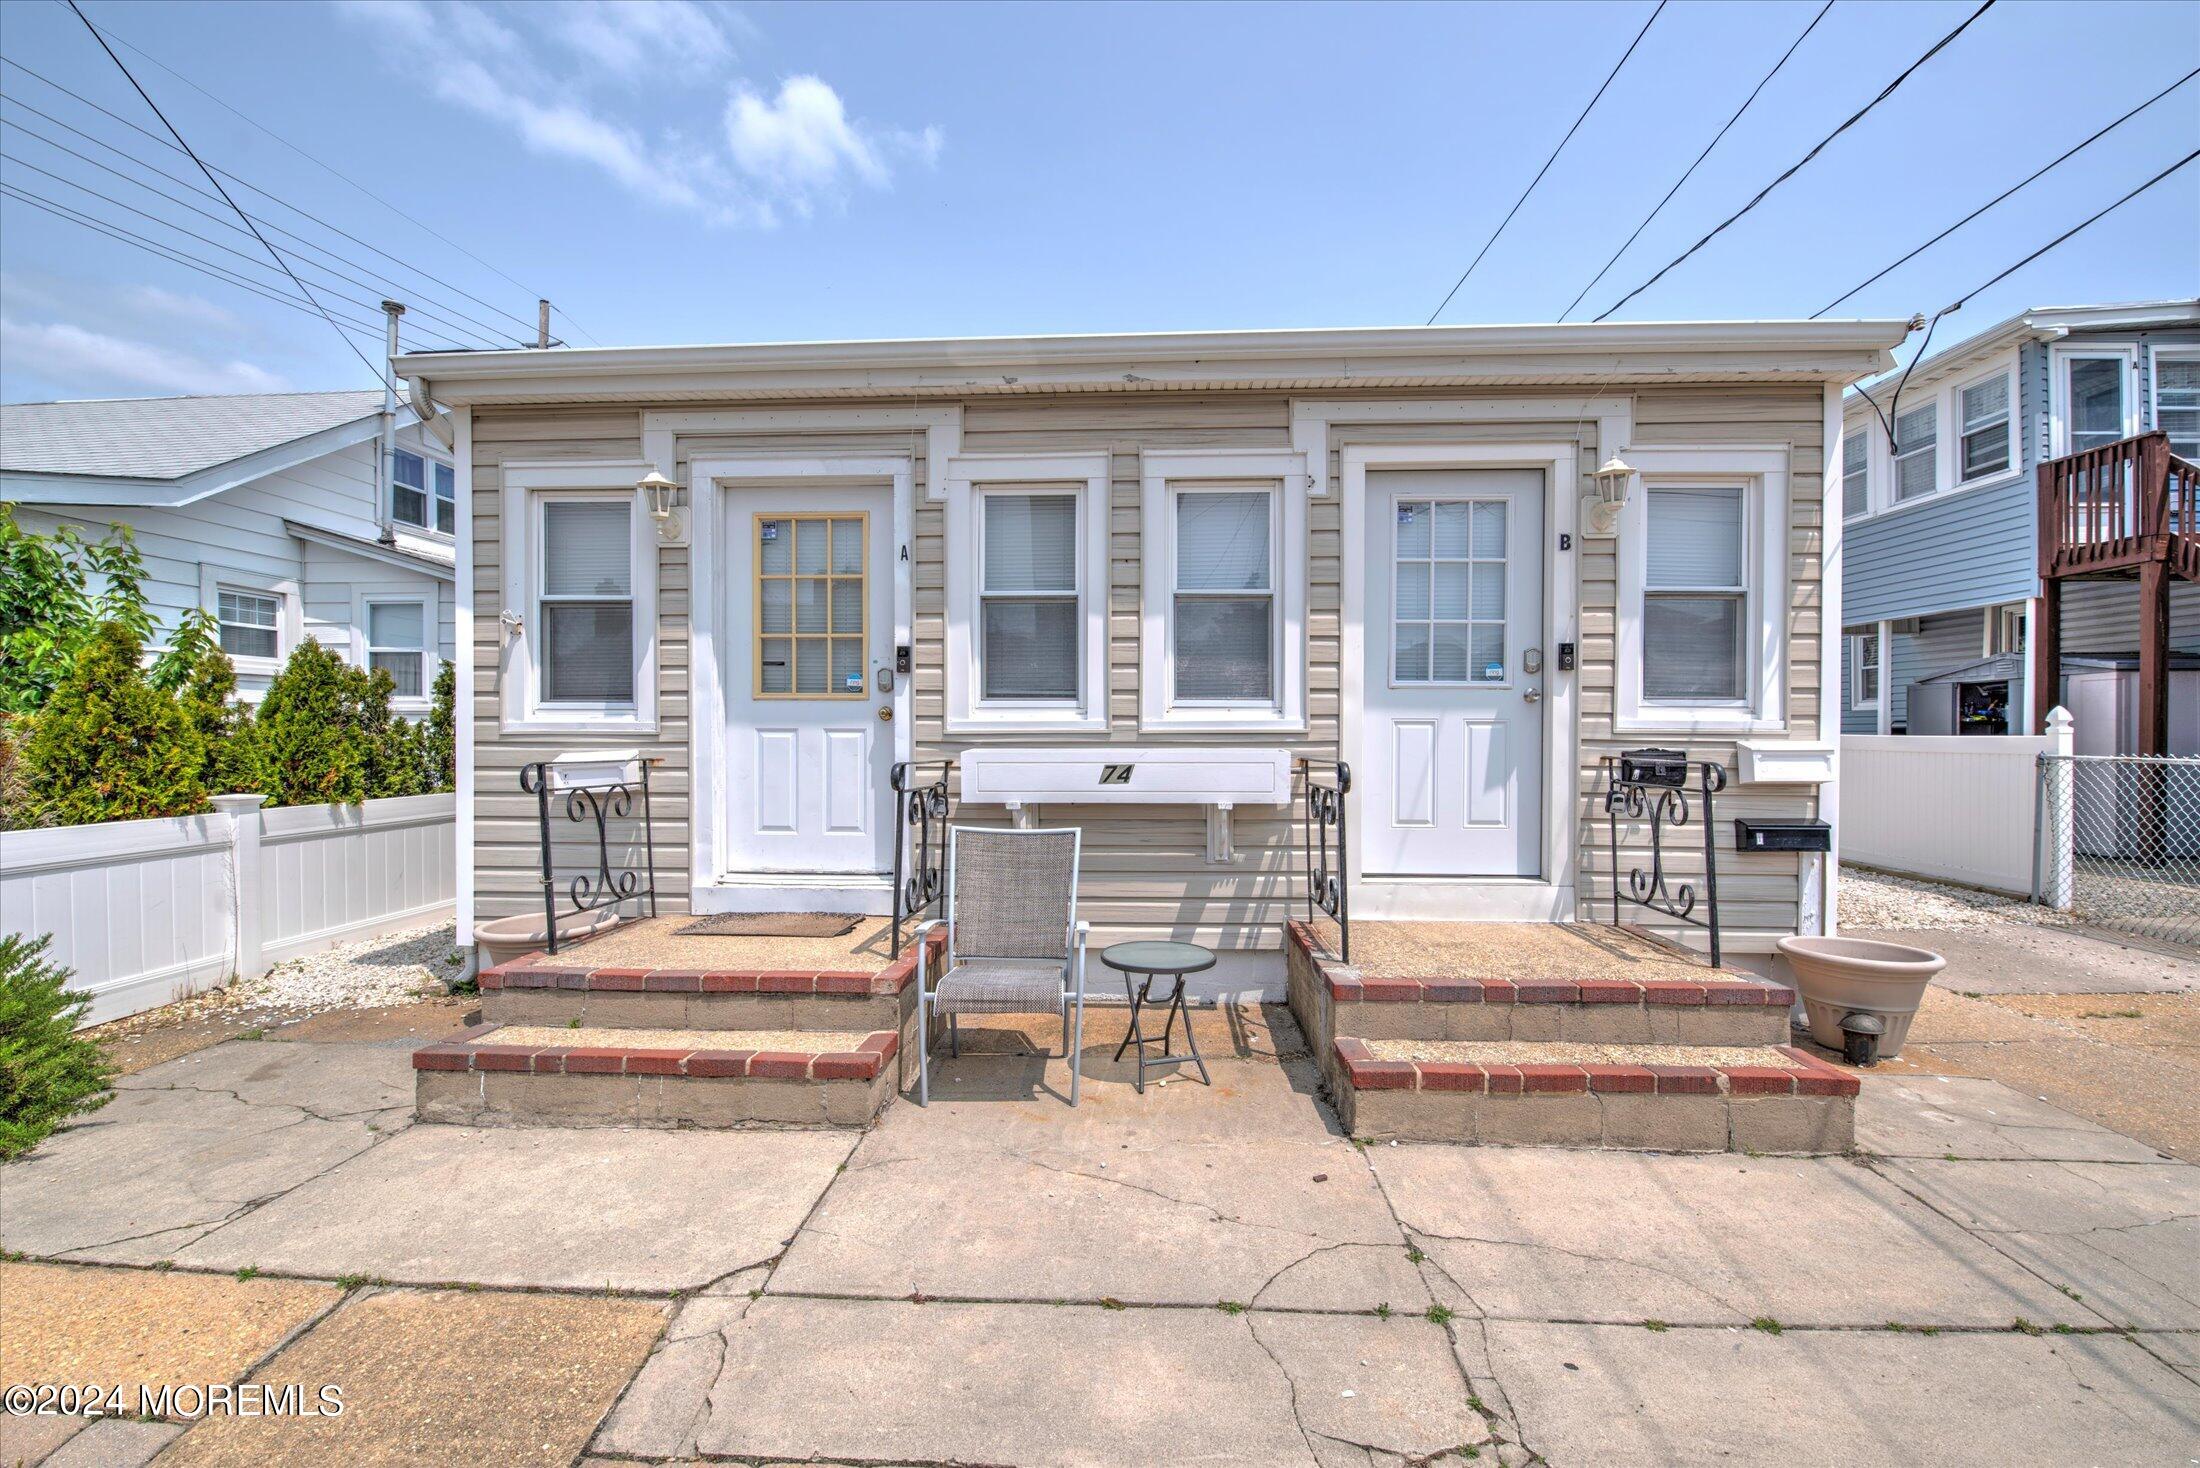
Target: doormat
(773, 925)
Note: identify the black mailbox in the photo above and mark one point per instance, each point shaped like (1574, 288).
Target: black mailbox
(1654, 767)
(1752, 835)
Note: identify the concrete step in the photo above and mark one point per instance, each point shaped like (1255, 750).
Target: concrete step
(1611, 994)
(1761, 1098)
(537, 1075)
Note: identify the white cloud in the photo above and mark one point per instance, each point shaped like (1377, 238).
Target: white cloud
(193, 310)
(791, 149)
(60, 352)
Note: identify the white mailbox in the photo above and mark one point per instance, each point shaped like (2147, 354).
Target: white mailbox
(1217, 779)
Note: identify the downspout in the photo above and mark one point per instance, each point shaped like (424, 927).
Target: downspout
(385, 526)
(432, 418)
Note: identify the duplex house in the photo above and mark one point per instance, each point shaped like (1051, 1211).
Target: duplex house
(1131, 583)
(278, 514)
(1942, 516)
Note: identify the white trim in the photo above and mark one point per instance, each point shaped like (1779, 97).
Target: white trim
(366, 597)
(1312, 419)
(1551, 897)
(289, 614)
(1855, 643)
(1161, 471)
(2156, 355)
(2059, 358)
(1952, 466)
(526, 484)
(1818, 878)
(1945, 396)
(1886, 662)
(462, 617)
(967, 477)
(430, 463)
(1763, 472)
(708, 755)
(942, 428)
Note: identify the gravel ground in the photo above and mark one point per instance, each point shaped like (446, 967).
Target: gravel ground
(1876, 900)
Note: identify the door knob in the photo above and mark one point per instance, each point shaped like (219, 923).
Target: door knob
(1532, 695)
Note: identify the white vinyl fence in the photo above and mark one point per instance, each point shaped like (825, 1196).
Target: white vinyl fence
(1955, 808)
(147, 912)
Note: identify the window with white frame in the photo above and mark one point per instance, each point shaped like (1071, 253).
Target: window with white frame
(2005, 629)
(2177, 402)
(397, 643)
(1855, 474)
(250, 623)
(1029, 610)
(1983, 444)
(423, 492)
(2096, 413)
(584, 606)
(1222, 613)
(1695, 596)
(1916, 452)
(1448, 603)
(1864, 670)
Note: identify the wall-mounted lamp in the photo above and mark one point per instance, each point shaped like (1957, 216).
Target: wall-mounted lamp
(663, 495)
(1600, 510)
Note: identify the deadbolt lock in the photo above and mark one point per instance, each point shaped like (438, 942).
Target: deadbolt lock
(1531, 660)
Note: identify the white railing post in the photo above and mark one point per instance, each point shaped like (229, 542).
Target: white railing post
(245, 821)
(2059, 836)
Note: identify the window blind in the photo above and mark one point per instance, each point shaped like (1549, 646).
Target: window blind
(396, 624)
(1695, 538)
(586, 550)
(588, 652)
(1030, 542)
(1222, 541)
(1855, 474)
(1692, 648)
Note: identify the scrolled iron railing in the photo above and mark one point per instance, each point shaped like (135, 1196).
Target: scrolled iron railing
(1327, 882)
(601, 802)
(920, 840)
(1653, 785)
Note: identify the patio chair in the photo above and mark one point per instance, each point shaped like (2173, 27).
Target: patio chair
(1014, 945)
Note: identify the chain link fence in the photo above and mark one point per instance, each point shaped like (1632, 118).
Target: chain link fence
(2119, 842)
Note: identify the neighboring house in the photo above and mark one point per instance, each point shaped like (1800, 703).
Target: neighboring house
(1207, 551)
(270, 511)
(1942, 530)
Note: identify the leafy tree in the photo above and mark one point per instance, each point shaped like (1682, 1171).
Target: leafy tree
(108, 746)
(397, 759)
(312, 730)
(442, 731)
(197, 636)
(207, 695)
(56, 592)
(48, 1072)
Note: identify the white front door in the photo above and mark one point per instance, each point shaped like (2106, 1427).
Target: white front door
(1453, 740)
(810, 629)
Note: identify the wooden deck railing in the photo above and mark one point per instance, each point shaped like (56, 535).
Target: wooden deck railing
(2119, 507)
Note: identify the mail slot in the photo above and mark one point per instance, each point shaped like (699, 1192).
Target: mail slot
(1752, 835)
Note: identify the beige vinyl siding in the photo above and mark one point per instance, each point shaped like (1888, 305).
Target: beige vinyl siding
(1146, 872)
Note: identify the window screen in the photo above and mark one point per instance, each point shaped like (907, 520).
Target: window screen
(397, 636)
(1224, 637)
(1855, 474)
(248, 622)
(587, 602)
(1028, 613)
(1985, 428)
(409, 488)
(1916, 452)
(1694, 597)
(2177, 404)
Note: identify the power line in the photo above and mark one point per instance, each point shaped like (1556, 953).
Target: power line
(1546, 168)
(1706, 153)
(171, 254)
(376, 280)
(381, 374)
(1884, 93)
(332, 169)
(255, 188)
(202, 239)
(2005, 193)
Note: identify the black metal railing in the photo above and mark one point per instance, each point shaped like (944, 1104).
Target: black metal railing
(1326, 834)
(601, 802)
(1653, 784)
(920, 841)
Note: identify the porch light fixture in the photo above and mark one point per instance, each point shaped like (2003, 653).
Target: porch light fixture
(663, 495)
(1600, 510)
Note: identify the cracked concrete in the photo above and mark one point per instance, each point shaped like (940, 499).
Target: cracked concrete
(1965, 1117)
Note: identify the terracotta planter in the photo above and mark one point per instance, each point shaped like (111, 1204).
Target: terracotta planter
(503, 939)
(1838, 977)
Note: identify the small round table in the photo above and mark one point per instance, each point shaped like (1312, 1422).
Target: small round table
(1154, 960)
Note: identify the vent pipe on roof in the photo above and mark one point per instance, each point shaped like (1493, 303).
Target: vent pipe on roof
(385, 526)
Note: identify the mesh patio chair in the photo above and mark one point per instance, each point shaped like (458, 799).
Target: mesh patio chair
(1014, 945)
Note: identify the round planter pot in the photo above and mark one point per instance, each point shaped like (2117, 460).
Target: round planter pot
(503, 939)
(1839, 976)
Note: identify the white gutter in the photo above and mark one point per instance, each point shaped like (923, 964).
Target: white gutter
(417, 392)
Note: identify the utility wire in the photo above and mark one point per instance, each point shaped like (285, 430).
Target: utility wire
(381, 374)
(2005, 193)
(1894, 403)
(347, 178)
(1884, 93)
(170, 253)
(245, 256)
(375, 281)
(234, 178)
(1706, 153)
(1546, 168)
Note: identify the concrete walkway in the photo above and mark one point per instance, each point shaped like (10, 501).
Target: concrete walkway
(1199, 1274)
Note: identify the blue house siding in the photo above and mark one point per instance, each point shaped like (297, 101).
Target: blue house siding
(1939, 644)
(1972, 549)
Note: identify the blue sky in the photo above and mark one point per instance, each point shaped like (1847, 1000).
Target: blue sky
(683, 173)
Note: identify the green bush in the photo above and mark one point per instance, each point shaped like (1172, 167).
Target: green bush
(313, 730)
(50, 609)
(228, 738)
(48, 1072)
(442, 731)
(108, 746)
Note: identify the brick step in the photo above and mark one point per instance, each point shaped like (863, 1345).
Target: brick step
(542, 1075)
(1762, 1098)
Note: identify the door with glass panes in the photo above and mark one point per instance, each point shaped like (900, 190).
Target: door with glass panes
(1452, 745)
(810, 619)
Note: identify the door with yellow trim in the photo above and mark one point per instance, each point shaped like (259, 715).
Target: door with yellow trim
(810, 624)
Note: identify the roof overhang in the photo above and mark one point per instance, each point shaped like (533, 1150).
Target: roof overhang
(2040, 324)
(373, 550)
(1315, 360)
(104, 489)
